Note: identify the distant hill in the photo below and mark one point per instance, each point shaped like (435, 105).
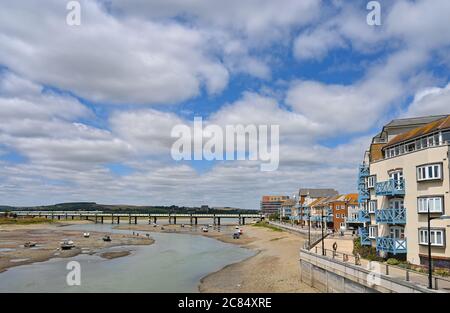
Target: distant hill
(92, 206)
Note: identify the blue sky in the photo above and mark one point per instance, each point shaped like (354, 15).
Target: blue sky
(86, 111)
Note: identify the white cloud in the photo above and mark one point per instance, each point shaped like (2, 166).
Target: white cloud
(108, 59)
(430, 101)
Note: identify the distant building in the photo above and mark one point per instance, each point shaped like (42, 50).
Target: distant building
(287, 208)
(272, 204)
(339, 206)
(307, 197)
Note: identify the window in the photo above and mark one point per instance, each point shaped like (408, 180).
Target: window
(372, 206)
(371, 180)
(410, 147)
(446, 137)
(396, 204)
(397, 232)
(434, 203)
(373, 231)
(436, 237)
(429, 172)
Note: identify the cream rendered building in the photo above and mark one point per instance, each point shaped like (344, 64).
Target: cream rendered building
(406, 173)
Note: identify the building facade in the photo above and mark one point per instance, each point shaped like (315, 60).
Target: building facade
(272, 204)
(405, 174)
(340, 206)
(307, 197)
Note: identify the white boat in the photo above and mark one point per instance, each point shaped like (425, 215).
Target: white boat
(205, 229)
(67, 244)
(86, 235)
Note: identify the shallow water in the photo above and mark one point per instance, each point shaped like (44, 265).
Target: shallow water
(174, 263)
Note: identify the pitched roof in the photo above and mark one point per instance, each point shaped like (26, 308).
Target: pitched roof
(414, 120)
(317, 192)
(442, 123)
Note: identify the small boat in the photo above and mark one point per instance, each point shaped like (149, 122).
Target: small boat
(86, 235)
(67, 244)
(107, 238)
(236, 235)
(205, 229)
(29, 244)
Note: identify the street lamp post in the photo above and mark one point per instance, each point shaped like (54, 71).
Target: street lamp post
(323, 243)
(430, 262)
(309, 229)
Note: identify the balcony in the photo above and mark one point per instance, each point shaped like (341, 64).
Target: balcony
(363, 216)
(391, 245)
(364, 171)
(364, 236)
(353, 220)
(390, 187)
(391, 216)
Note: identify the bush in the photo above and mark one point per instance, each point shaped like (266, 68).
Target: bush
(366, 252)
(442, 272)
(393, 261)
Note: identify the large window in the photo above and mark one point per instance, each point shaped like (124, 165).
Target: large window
(435, 204)
(429, 172)
(417, 144)
(436, 237)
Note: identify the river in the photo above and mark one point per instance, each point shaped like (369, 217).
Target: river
(174, 263)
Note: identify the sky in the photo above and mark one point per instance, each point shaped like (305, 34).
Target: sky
(86, 111)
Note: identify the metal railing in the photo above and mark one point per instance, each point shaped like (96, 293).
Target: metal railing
(391, 216)
(394, 271)
(391, 187)
(392, 245)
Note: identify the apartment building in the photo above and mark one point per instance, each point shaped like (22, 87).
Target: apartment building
(272, 204)
(308, 197)
(405, 175)
(287, 208)
(340, 206)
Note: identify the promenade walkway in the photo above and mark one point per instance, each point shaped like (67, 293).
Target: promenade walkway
(345, 253)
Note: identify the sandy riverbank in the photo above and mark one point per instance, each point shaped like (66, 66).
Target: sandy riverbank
(48, 236)
(274, 267)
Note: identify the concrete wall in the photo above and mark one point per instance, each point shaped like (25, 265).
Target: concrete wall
(334, 276)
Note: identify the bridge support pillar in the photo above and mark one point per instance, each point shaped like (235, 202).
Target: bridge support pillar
(214, 221)
(118, 220)
(243, 221)
(191, 220)
(196, 220)
(129, 219)
(101, 219)
(218, 221)
(154, 220)
(59, 217)
(170, 219)
(135, 219)
(174, 220)
(73, 217)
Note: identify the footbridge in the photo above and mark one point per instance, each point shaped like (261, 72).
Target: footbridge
(132, 218)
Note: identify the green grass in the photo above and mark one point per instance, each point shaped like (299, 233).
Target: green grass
(267, 225)
(23, 221)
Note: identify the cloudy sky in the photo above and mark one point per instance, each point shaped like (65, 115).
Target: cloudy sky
(86, 111)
